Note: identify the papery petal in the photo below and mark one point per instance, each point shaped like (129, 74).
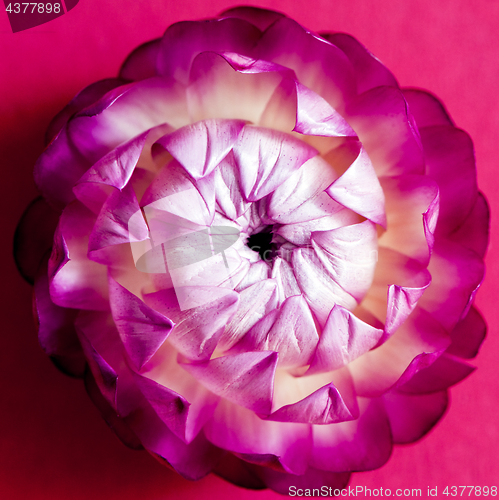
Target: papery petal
(427, 110)
(450, 160)
(291, 332)
(170, 407)
(261, 18)
(198, 329)
(318, 65)
(183, 41)
(141, 63)
(344, 338)
(444, 372)
(121, 116)
(200, 147)
(349, 253)
(387, 131)
(473, 233)
(254, 303)
(56, 330)
(456, 274)
(33, 237)
(361, 444)
(412, 416)
(379, 369)
(369, 71)
(468, 335)
(239, 430)
(317, 285)
(142, 329)
(245, 379)
(412, 207)
(359, 189)
(314, 115)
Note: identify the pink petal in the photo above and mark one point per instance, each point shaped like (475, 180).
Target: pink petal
(349, 253)
(387, 131)
(318, 65)
(443, 373)
(142, 329)
(33, 238)
(261, 18)
(197, 330)
(119, 118)
(183, 41)
(239, 430)
(344, 338)
(200, 147)
(170, 407)
(245, 379)
(52, 177)
(361, 444)
(88, 96)
(411, 417)
(314, 115)
(369, 71)
(468, 335)
(412, 207)
(473, 233)
(141, 63)
(450, 160)
(291, 332)
(359, 189)
(237, 471)
(427, 110)
(379, 369)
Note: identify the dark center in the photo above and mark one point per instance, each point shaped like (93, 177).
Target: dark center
(262, 244)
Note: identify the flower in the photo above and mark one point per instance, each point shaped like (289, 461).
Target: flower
(264, 252)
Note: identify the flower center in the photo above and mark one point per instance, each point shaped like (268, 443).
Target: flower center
(262, 244)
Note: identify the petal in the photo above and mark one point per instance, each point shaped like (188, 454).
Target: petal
(200, 147)
(412, 207)
(319, 65)
(88, 96)
(141, 63)
(450, 160)
(362, 444)
(261, 18)
(387, 131)
(239, 430)
(318, 287)
(291, 332)
(33, 237)
(379, 369)
(121, 116)
(427, 109)
(468, 335)
(170, 407)
(349, 253)
(370, 72)
(238, 472)
(142, 329)
(183, 41)
(411, 417)
(443, 373)
(359, 189)
(344, 338)
(221, 87)
(198, 329)
(245, 379)
(315, 116)
(473, 233)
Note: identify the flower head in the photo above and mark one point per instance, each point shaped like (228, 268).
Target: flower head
(264, 252)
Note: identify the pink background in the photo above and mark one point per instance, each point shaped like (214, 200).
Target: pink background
(53, 443)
